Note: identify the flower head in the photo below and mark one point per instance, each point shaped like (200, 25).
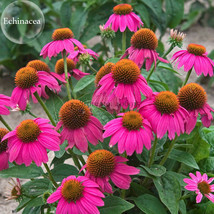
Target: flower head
(3, 150)
(77, 195)
(62, 40)
(28, 81)
(79, 126)
(194, 57)
(121, 87)
(102, 165)
(122, 18)
(194, 99)
(71, 65)
(131, 132)
(200, 184)
(176, 38)
(164, 113)
(143, 45)
(4, 101)
(42, 66)
(29, 141)
(16, 190)
(107, 33)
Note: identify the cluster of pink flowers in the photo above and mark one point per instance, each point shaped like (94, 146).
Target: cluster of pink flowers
(119, 86)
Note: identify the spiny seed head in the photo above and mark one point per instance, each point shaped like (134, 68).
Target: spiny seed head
(125, 71)
(196, 49)
(166, 102)
(192, 96)
(106, 69)
(26, 77)
(3, 144)
(59, 67)
(28, 131)
(101, 163)
(122, 9)
(144, 39)
(38, 65)
(72, 190)
(132, 120)
(74, 114)
(204, 187)
(62, 33)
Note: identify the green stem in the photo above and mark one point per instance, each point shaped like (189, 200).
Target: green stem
(33, 115)
(93, 69)
(123, 193)
(50, 175)
(75, 159)
(66, 74)
(71, 87)
(151, 160)
(124, 41)
(5, 123)
(81, 159)
(169, 151)
(89, 150)
(187, 77)
(45, 108)
(185, 196)
(153, 66)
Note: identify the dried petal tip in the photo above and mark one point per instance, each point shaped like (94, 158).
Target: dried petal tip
(176, 38)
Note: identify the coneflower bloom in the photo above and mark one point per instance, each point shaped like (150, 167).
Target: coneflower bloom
(194, 57)
(131, 132)
(28, 81)
(77, 196)
(122, 18)
(79, 126)
(77, 52)
(164, 113)
(16, 190)
(62, 40)
(122, 87)
(194, 99)
(42, 66)
(4, 156)
(4, 101)
(200, 184)
(72, 70)
(29, 141)
(143, 45)
(102, 166)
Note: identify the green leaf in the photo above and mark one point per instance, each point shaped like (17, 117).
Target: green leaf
(62, 171)
(182, 207)
(54, 103)
(101, 114)
(155, 170)
(113, 60)
(21, 171)
(23, 203)
(36, 187)
(65, 14)
(192, 18)
(144, 14)
(115, 205)
(211, 54)
(32, 210)
(168, 67)
(183, 157)
(138, 190)
(174, 12)
(169, 191)
(149, 204)
(61, 152)
(207, 164)
(155, 82)
(83, 83)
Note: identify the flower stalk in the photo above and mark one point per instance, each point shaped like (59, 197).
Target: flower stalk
(50, 175)
(5, 123)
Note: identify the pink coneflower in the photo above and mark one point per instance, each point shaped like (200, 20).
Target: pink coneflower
(77, 196)
(79, 126)
(164, 113)
(4, 156)
(122, 87)
(16, 190)
(195, 56)
(131, 132)
(4, 101)
(123, 17)
(200, 184)
(29, 141)
(77, 52)
(102, 165)
(62, 40)
(42, 66)
(28, 81)
(72, 70)
(143, 45)
(194, 99)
